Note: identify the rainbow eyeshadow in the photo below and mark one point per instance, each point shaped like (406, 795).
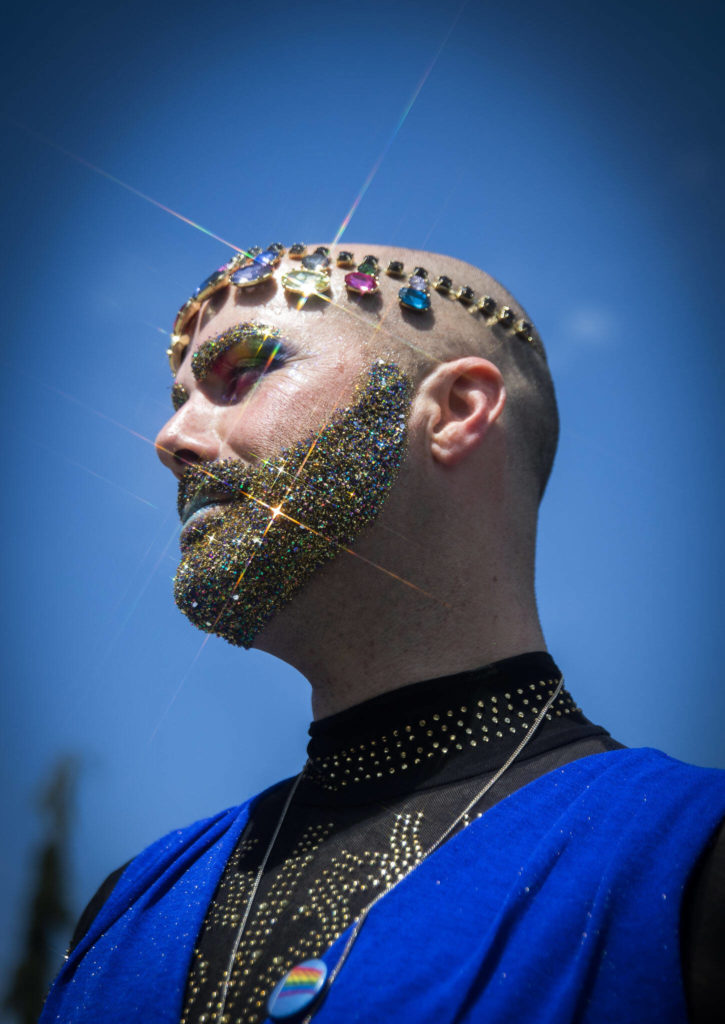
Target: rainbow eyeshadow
(270, 527)
(252, 335)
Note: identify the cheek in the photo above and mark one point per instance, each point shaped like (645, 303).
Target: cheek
(298, 405)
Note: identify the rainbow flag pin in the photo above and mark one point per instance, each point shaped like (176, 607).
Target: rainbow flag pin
(297, 990)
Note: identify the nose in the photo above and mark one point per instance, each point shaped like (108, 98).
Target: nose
(187, 438)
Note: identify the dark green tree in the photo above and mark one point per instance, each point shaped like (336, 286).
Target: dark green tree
(48, 915)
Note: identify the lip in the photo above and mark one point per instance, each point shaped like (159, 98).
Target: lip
(196, 523)
(201, 502)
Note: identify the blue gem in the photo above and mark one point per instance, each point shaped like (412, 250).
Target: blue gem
(317, 261)
(253, 273)
(411, 298)
(297, 990)
(269, 258)
(210, 284)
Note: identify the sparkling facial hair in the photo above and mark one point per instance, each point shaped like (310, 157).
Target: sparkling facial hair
(281, 520)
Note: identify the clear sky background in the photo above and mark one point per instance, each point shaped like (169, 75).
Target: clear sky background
(574, 150)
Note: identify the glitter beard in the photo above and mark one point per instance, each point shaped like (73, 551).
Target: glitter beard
(281, 520)
(179, 395)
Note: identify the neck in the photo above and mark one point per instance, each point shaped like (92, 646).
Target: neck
(403, 633)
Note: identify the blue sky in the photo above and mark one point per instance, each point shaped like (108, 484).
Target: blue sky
(573, 150)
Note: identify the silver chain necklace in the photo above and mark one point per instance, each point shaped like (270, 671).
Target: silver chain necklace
(360, 920)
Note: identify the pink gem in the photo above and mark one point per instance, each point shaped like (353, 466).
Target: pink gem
(363, 284)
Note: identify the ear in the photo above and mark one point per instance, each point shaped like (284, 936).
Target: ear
(462, 399)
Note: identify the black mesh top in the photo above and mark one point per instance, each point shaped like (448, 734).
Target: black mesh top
(382, 782)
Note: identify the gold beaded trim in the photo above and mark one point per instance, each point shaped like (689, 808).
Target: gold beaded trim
(469, 725)
(252, 267)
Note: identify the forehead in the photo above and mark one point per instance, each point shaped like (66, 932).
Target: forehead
(315, 328)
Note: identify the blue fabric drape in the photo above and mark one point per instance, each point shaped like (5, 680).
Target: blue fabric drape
(561, 903)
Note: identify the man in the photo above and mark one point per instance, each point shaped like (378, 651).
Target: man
(362, 438)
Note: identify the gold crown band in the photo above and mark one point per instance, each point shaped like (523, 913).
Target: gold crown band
(252, 267)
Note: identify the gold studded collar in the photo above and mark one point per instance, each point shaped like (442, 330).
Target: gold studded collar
(434, 732)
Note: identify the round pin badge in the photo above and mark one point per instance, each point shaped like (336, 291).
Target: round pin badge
(297, 991)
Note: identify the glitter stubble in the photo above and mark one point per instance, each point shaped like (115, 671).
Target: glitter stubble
(246, 559)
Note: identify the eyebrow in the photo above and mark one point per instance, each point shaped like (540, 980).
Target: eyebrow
(254, 336)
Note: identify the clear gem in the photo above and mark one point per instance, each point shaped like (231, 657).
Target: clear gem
(418, 282)
(306, 282)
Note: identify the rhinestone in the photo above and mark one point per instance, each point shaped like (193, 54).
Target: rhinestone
(421, 272)
(345, 259)
(411, 298)
(466, 295)
(306, 282)
(487, 305)
(506, 316)
(395, 268)
(418, 282)
(361, 283)
(253, 273)
(297, 251)
(190, 307)
(443, 284)
(523, 329)
(210, 284)
(317, 261)
(369, 266)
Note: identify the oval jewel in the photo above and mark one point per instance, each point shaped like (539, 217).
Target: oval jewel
(251, 274)
(363, 284)
(316, 261)
(412, 298)
(305, 282)
(210, 284)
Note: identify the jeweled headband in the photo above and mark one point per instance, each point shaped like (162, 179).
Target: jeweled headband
(250, 268)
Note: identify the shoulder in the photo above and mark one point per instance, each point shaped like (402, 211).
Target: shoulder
(207, 840)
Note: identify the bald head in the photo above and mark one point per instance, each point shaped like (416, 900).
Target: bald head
(485, 320)
(278, 389)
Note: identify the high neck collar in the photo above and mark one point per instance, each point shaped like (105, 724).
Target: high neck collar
(429, 733)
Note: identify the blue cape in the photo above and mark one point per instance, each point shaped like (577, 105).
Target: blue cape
(561, 903)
